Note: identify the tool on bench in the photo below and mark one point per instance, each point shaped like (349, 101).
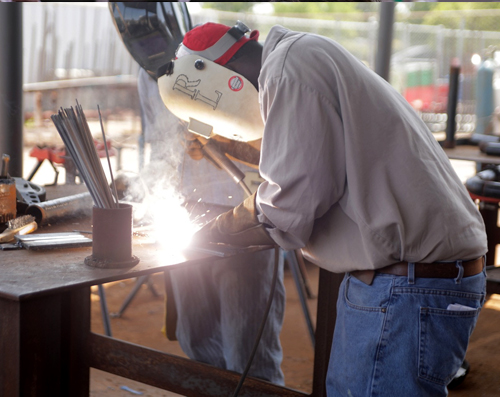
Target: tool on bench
(28, 193)
(112, 220)
(44, 241)
(23, 225)
(77, 205)
(7, 192)
(11, 195)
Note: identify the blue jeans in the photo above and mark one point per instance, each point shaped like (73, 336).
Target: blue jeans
(220, 308)
(397, 337)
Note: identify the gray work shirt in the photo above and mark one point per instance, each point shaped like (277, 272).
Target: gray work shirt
(353, 175)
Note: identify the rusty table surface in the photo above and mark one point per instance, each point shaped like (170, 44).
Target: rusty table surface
(26, 273)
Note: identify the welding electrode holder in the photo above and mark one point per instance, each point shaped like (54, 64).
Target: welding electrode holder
(112, 238)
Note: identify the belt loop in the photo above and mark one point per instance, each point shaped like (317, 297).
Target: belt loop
(460, 267)
(411, 272)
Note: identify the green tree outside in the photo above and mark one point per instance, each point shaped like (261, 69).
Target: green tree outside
(453, 15)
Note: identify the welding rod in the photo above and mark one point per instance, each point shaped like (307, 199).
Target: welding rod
(88, 143)
(74, 130)
(95, 159)
(107, 155)
(63, 126)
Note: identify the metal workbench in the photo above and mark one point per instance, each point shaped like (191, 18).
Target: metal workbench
(47, 347)
(471, 153)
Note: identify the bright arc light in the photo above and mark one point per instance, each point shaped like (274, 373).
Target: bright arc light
(173, 228)
(476, 59)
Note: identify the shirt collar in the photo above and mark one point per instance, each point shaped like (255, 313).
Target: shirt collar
(274, 36)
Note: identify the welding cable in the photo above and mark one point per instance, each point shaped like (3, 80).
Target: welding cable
(263, 324)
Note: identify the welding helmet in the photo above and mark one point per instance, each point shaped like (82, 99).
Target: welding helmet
(151, 31)
(197, 88)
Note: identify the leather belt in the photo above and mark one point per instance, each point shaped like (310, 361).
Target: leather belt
(424, 270)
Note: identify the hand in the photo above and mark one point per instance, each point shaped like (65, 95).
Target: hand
(193, 146)
(239, 227)
(204, 235)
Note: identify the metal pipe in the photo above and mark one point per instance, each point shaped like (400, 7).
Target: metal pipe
(70, 206)
(11, 85)
(121, 80)
(212, 150)
(452, 104)
(384, 47)
(104, 311)
(112, 238)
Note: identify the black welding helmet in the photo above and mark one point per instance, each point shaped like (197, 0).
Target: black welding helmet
(151, 31)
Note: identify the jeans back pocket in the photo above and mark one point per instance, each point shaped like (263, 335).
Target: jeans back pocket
(443, 333)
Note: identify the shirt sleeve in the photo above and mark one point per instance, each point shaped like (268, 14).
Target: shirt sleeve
(302, 160)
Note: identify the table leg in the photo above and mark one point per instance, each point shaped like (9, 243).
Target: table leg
(9, 347)
(329, 284)
(75, 360)
(42, 342)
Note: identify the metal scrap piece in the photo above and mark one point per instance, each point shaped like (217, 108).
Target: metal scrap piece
(54, 240)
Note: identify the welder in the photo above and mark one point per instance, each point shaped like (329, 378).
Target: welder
(219, 306)
(354, 178)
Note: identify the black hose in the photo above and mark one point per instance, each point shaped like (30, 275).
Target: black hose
(263, 324)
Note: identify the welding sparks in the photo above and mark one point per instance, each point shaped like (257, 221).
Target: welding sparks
(173, 228)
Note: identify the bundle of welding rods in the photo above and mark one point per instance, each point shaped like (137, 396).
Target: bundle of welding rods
(75, 132)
